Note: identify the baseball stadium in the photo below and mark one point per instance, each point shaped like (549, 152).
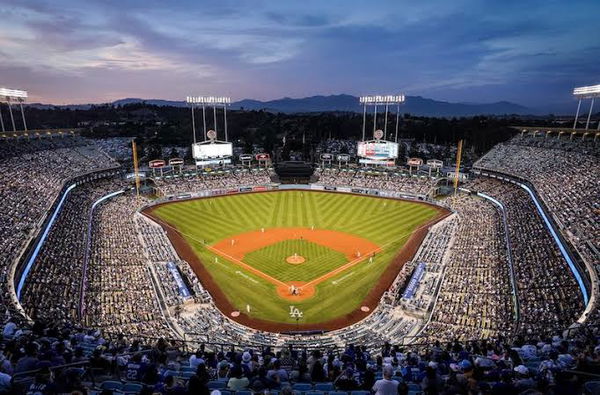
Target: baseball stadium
(359, 251)
(299, 198)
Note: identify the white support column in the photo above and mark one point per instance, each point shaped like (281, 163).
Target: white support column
(577, 114)
(587, 124)
(397, 121)
(2, 120)
(193, 124)
(225, 120)
(364, 121)
(375, 121)
(12, 119)
(23, 115)
(385, 125)
(215, 116)
(204, 119)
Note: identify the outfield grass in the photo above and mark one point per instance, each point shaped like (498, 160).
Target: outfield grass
(387, 223)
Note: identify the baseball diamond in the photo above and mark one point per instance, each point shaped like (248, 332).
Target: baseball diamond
(327, 254)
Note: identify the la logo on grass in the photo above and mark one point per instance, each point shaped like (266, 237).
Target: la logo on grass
(295, 313)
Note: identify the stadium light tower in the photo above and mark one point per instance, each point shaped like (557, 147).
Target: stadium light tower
(586, 92)
(214, 101)
(8, 96)
(381, 100)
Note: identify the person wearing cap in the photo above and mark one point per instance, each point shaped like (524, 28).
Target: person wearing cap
(386, 385)
(223, 369)
(523, 381)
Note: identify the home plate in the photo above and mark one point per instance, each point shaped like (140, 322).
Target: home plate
(365, 308)
(235, 313)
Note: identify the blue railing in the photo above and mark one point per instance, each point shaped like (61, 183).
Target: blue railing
(40, 242)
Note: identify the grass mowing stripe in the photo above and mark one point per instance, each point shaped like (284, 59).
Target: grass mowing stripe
(386, 222)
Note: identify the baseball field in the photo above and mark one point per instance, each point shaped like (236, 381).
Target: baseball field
(296, 260)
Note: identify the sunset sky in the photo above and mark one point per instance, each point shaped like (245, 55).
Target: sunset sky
(529, 52)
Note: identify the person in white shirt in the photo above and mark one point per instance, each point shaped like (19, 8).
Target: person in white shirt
(196, 359)
(386, 386)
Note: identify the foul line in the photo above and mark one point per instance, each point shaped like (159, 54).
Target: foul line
(314, 282)
(246, 266)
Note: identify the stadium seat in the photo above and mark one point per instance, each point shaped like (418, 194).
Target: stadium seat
(338, 393)
(185, 375)
(111, 385)
(243, 393)
(173, 373)
(131, 388)
(591, 388)
(314, 393)
(360, 393)
(414, 387)
(303, 387)
(216, 385)
(326, 387)
(187, 369)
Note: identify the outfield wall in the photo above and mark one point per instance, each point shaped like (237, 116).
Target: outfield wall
(286, 187)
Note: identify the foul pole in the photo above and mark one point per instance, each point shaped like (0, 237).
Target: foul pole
(458, 158)
(135, 169)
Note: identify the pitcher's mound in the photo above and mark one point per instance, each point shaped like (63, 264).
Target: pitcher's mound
(295, 259)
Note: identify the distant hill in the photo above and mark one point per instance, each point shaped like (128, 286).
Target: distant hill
(415, 105)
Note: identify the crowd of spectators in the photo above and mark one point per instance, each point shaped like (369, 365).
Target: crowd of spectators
(53, 286)
(119, 295)
(32, 174)
(433, 254)
(378, 179)
(200, 181)
(564, 173)
(523, 365)
(474, 300)
(161, 253)
(548, 294)
(335, 146)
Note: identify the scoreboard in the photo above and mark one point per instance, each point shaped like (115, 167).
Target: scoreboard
(213, 150)
(378, 150)
(212, 153)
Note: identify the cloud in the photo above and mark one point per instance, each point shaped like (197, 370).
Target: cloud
(462, 50)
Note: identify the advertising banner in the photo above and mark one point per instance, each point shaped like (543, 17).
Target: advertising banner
(413, 284)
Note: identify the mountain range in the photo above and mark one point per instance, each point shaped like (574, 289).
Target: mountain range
(415, 105)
